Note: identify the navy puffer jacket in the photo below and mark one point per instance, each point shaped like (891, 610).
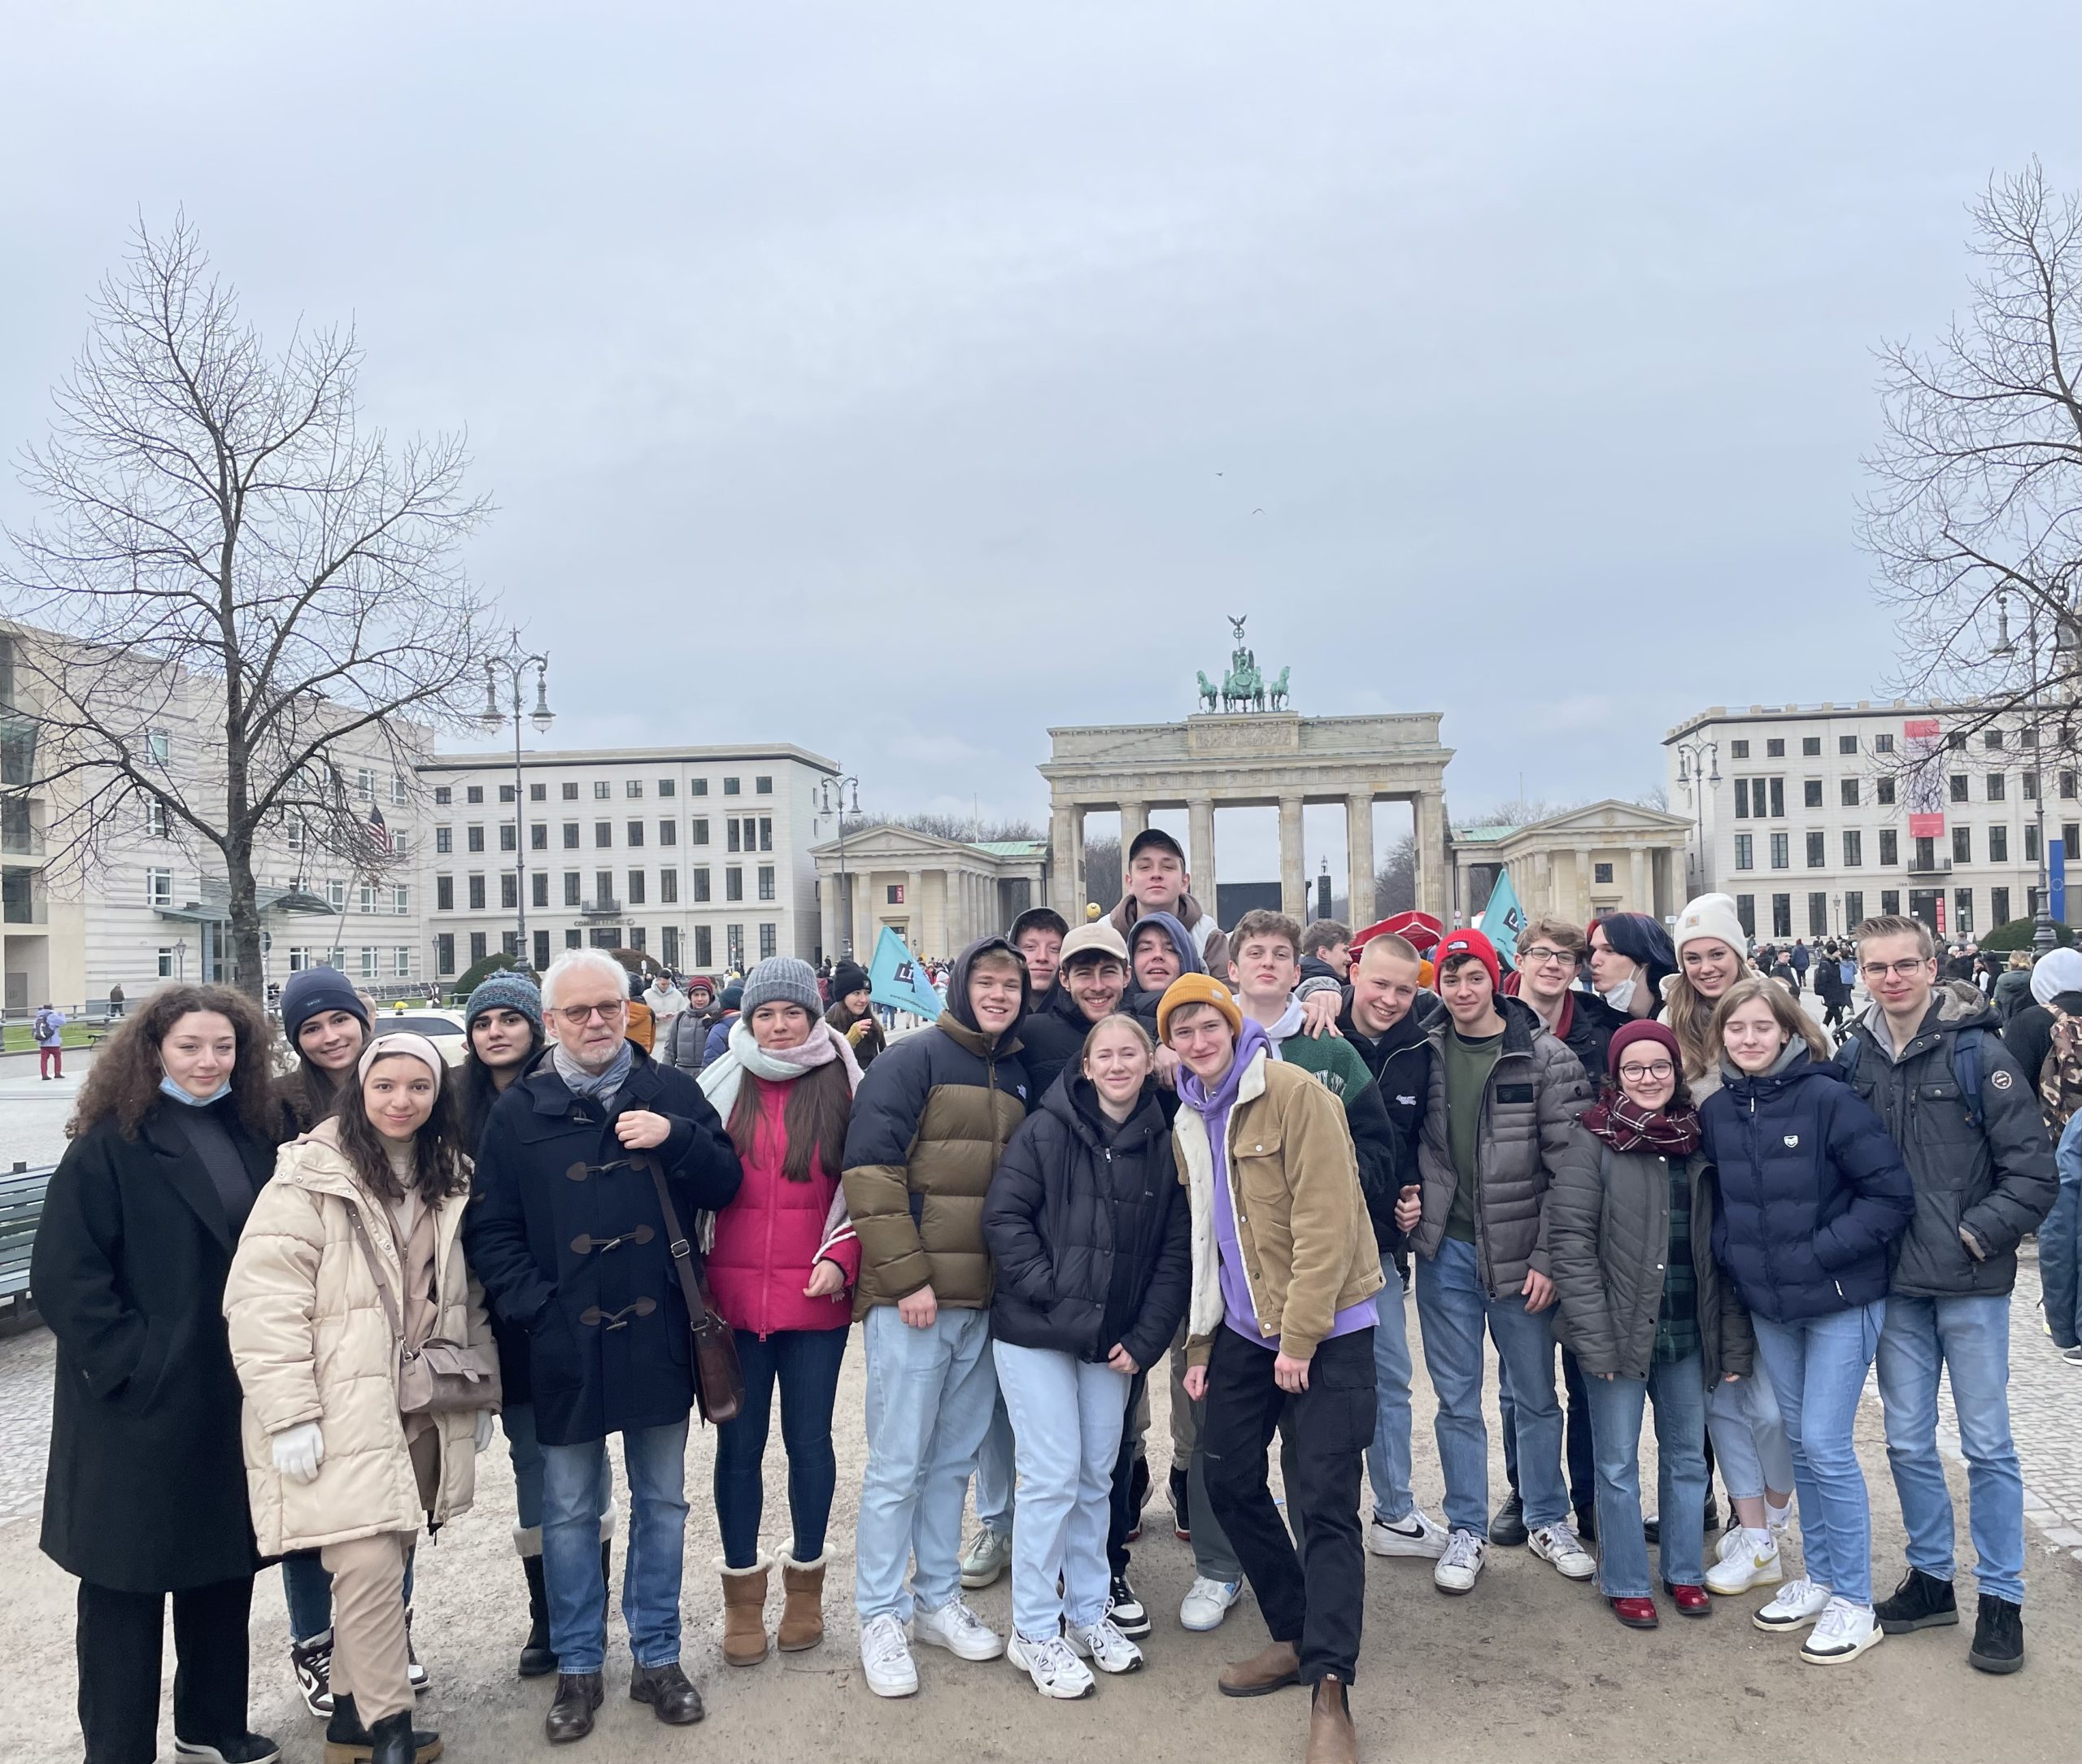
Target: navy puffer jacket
(1812, 1190)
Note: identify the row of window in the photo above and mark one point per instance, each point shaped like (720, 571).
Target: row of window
(1764, 799)
(1928, 904)
(1992, 741)
(158, 892)
(700, 885)
(745, 833)
(699, 947)
(603, 789)
(1924, 854)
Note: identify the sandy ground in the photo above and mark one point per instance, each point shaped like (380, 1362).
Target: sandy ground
(1530, 1666)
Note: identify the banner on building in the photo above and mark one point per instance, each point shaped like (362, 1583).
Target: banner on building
(1923, 746)
(896, 978)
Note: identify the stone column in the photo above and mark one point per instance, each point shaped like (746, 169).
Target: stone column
(1293, 861)
(1463, 892)
(1639, 897)
(914, 908)
(1359, 856)
(864, 928)
(1200, 849)
(1083, 886)
(1431, 854)
(1583, 913)
(1063, 860)
(1134, 816)
(829, 910)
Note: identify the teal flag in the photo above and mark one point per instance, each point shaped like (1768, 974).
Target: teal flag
(1502, 919)
(896, 978)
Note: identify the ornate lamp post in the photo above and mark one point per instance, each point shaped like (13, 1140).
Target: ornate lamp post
(825, 791)
(1698, 769)
(509, 668)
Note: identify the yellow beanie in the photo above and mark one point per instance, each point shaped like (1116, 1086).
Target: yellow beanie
(1197, 989)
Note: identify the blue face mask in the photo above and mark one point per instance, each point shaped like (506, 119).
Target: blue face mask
(167, 1087)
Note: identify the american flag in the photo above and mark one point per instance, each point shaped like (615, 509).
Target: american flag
(378, 832)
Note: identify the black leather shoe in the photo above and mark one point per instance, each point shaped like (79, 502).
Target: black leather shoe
(1651, 1530)
(394, 1740)
(672, 1700)
(1922, 1601)
(571, 1713)
(1508, 1528)
(537, 1658)
(347, 1741)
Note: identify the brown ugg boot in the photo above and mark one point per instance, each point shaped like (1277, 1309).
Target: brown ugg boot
(744, 1613)
(801, 1617)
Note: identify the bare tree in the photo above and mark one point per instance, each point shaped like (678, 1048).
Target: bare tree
(1103, 874)
(221, 544)
(1394, 883)
(1975, 512)
(962, 828)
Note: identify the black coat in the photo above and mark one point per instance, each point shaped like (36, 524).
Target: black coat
(609, 1350)
(146, 1489)
(1088, 1226)
(1051, 1036)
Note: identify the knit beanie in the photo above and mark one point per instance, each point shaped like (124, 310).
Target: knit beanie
(310, 992)
(733, 998)
(1710, 916)
(1642, 1030)
(848, 977)
(504, 990)
(1197, 989)
(2056, 972)
(781, 980)
(1098, 938)
(1460, 944)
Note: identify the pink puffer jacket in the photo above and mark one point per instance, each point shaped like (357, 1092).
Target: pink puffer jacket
(767, 1238)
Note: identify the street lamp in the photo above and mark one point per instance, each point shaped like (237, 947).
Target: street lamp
(825, 793)
(510, 668)
(1699, 763)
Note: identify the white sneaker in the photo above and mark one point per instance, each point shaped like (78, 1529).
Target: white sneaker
(1842, 1632)
(885, 1658)
(1559, 1544)
(1745, 1563)
(989, 1555)
(959, 1630)
(1465, 1554)
(1105, 1646)
(1055, 1670)
(1798, 1604)
(1207, 1602)
(1418, 1535)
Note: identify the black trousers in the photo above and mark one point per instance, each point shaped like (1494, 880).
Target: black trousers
(117, 1641)
(1314, 1598)
(1121, 1519)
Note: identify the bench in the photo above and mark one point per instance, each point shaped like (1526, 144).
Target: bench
(21, 1208)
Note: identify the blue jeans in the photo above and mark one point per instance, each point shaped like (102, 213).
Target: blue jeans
(1067, 1415)
(307, 1591)
(805, 1363)
(1970, 1339)
(2060, 1244)
(1750, 1436)
(1388, 1458)
(994, 1495)
(1818, 1365)
(1453, 1306)
(929, 1392)
(654, 1459)
(1679, 1392)
(526, 1451)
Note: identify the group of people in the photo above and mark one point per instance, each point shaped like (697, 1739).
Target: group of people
(290, 1310)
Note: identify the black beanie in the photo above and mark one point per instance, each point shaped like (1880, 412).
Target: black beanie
(847, 978)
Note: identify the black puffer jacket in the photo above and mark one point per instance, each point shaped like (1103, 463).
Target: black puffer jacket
(1051, 1036)
(1088, 1226)
(1996, 1181)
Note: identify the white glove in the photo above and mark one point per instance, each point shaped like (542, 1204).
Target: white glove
(299, 1451)
(484, 1429)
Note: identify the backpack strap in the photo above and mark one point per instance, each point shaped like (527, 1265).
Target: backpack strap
(1847, 1054)
(1966, 1069)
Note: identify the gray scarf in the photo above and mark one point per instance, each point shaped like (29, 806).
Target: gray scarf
(603, 1085)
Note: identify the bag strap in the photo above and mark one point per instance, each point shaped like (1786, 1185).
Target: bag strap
(682, 1251)
(382, 1279)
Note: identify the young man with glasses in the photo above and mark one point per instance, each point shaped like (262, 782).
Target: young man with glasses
(568, 1236)
(1983, 1168)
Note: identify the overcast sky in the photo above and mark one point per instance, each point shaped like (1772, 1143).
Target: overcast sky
(900, 379)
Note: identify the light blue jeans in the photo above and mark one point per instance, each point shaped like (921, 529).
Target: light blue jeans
(1818, 1366)
(526, 1450)
(1067, 1415)
(1749, 1435)
(654, 1459)
(929, 1392)
(1388, 1458)
(2060, 1243)
(1453, 1306)
(1968, 1338)
(994, 1495)
(1679, 1392)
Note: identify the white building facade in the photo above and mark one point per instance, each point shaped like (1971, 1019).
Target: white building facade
(698, 857)
(1814, 817)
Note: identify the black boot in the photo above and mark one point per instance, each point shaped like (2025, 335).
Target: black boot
(347, 1741)
(537, 1658)
(606, 1586)
(571, 1713)
(1999, 1636)
(1181, 1517)
(1922, 1601)
(1508, 1528)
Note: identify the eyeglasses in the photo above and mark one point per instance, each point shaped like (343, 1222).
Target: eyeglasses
(1541, 956)
(579, 1015)
(1642, 1074)
(1900, 970)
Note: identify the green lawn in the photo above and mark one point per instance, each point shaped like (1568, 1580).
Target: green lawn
(16, 1039)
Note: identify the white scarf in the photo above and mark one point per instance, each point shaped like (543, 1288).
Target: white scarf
(720, 1078)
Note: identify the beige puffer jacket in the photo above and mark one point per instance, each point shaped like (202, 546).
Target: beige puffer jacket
(312, 1342)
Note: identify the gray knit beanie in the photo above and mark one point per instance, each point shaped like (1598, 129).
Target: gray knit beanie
(505, 990)
(781, 980)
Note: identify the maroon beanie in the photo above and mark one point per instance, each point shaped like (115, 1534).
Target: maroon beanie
(1456, 945)
(1644, 1029)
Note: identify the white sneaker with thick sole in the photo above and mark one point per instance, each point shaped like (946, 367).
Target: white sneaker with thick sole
(1745, 1563)
(885, 1658)
(989, 1555)
(1105, 1646)
(959, 1630)
(1460, 1565)
(1843, 1632)
(1798, 1604)
(1558, 1544)
(1207, 1602)
(1418, 1535)
(1055, 1670)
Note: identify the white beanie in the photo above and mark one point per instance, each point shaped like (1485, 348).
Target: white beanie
(2056, 972)
(1710, 916)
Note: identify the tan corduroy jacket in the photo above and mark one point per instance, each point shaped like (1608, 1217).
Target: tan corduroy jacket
(312, 1340)
(1301, 1220)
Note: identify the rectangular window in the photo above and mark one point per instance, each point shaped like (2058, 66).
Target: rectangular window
(637, 933)
(734, 944)
(509, 889)
(704, 952)
(158, 887)
(168, 956)
(1745, 851)
(636, 833)
(730, 788)
(766, 880)
(1738, 750)
(570, 835)
(1810, 793)
(1782, 915)
(506, 793)
(538, 888)
(476, 894)
(1745, 914)
(734, 883)
(574, 940)
(668, 832)
(636, 887)
(1992, 739)
(668, 787)
(1890, 902)
(604, 889)
(1778, 799)
(2067, 787)
(1810, 747)
(1853, 907)
(1599, 872)
(1781, 851)
(1890, 847)
(473, 838)
(1847, 792)
(538, 836)
(573, 882)
(508, 836)
(400, 901)
(1998, 906)
(1883, 744)
(2071, 837)
(541, 950)
(1818, 855)
(369, 897)
(444, 840)
(538, 793)
(568, 791)
(2032, 846)
(365, 783)
(2030, 786)
(603, 833)
(1883, 791)
(1742, 799)
(444, 954)
(1962, 911)
(443, 795)
(1962, 845)
(1853, 848)
(476, 947)
(602, 790)
(698, 831)
(1774, 749)
(893, 894)
(1817, 914)
(336, 895)
(701, 884)
(1847, 744)
(1956, 787)
(473, 793)
(763, 786)
(766, 833)
(1996, 783)
(699, 787)
(368, 960)
(668, 887)
(155, 823)
(1956, 741)
(401, 961)
(669, 941)
(444, 893)
(632, 788)
(769, 940)
(1926, 858)
(735, 833)
(1998, 849)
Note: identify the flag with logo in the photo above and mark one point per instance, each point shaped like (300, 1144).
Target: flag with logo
(897, 978)
(1502, 919)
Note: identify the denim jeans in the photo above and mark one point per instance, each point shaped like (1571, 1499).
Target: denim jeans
(1453, 1306)
(1576, 1431)
(929, 1392)
(1388, 1458)
(526, 1452)
(307, 1591)
(1749, 1435)
(1818, 1365)
(1970, 1339)
(654, 1459)
(805, 1363)
(2060, 1244)
(1067, 1416)
(994, 1471)
(1679, 1392)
